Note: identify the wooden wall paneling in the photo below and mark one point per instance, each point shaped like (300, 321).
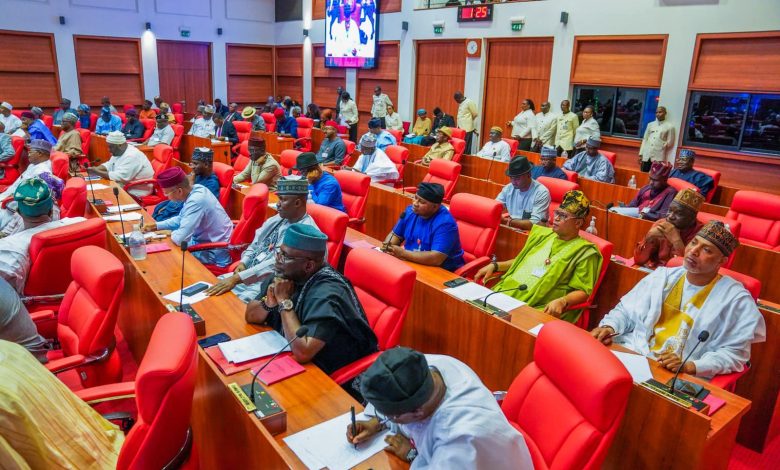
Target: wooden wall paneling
(288, 67)
(516, 69)
(29, 75)
(318, 9)
(384, 75)
(250, 73)
(325, 80)
(748, 62)
(121, 78)
(619, 60)
(441, 71)
(185, 72)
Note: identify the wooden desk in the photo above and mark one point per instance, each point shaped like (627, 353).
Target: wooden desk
(190, 142)
(98, 149)
(274, 143)
(225, 435)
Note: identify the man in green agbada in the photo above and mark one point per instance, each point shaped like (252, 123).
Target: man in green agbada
(559, 267)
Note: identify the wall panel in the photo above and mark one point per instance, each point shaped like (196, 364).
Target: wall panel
(619, 60)
(250, 72)
(324, 80)
(289, 71)
(185, 72)
(441, 71)
(109, 67)
(737, 62)
(384, 75)
(28, 70)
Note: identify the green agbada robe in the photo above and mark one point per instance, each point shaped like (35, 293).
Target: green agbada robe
(574, 265)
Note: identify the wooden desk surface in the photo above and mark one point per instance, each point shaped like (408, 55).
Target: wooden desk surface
(223, 431)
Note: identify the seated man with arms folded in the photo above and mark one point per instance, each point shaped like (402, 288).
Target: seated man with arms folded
(442, 414)
(332, 149)
(257, 261)
(262, 167)
(70, 141)
(133, 129)
(666, 311)
(202, 174)
(653, 200)
(306, 291)
(684, 171)
(324, 189)
(558, 267)
(163, 132)
(201, 219)
(526, 201)
(548, 168)
(374, 162)
(427, 231)
(668, 237)
(442, 148)
(496, 148)
(591, 164)
(126, 164)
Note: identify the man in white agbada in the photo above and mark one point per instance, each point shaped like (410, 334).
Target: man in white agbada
(496, 148)
(374, 162)
(126, 164)
(11, 122)
(658, 141)
(257, 261)
(39, 151)
(663, 315)
(204, 126)
(34, 204)
(443, 415)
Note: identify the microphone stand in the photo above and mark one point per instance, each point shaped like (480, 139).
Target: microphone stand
(521, 288)
(302, 331)
(490, 166)
(403, 190)
(184, 245)
(121, 222)
(91, 188)
(703, 336)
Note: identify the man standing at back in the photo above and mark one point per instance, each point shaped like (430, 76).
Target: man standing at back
(566, 126)
(657, 142)
(546, 122)
(379, 106)
(467, 113)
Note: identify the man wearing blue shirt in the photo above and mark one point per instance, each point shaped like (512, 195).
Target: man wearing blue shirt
(284, 124)
(63, 109)
(107, 122)
(426, 233)
(548, 167)
(201, 220)
(684, 171)
(202, 174)
(36, 129)
(384, 139)
(323, 187)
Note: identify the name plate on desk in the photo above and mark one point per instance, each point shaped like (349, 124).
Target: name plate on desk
(680, 398)
(273, 417)
(197, 320)
(495, 311)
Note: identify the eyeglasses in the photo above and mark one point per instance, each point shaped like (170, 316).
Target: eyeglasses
(563, 215)
(285, 258)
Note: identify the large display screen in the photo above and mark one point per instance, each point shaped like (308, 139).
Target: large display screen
(351, 33)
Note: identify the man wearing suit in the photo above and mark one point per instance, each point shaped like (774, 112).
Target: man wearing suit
(224, 130)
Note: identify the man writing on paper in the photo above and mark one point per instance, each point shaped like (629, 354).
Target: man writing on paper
(257, 261)
(306, 291)
(668, 237)
(559, 267)
(664, 313)
(126, 164)
(526, 200)
(443, 415)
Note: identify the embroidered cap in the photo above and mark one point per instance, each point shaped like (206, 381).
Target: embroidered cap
(575, 203)
(689, 198)
(292, 185)
(660, 170)
(716, 232)
(203, 154)
(33, 197)
(306, 238)
(549, 152)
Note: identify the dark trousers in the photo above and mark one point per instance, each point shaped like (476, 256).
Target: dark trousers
(353, 132)
(382, 120)
(644, 167)
(468, 139)
(524, 143)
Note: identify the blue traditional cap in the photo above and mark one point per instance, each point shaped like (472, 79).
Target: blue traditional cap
(368, 140)
(84, 107)
(36, 110)
(374, 122)
(306, 238)
(292, 185)
(105, 110)
(203, 154)
(593, 142)
(70, 117)
(687, 153)
(33, 198)
(41, 145)
(549, 152)
(421, 111)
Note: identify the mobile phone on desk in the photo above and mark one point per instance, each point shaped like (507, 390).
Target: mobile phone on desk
(213, 340)
(459, 281)
(195, 288)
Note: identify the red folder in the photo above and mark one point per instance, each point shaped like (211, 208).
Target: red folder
(229, 368)
(714, 402)
(157, 247)
(282, 368)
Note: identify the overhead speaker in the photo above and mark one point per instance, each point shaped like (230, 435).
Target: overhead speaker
(405, 25)
(62, 20)
(564, 17)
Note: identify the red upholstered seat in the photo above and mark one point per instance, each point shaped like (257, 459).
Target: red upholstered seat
(399, 155)
(443, 172)
(87, 318)
(759, 214)
(605, 248)
(611, 156)
(513, 144)
(332, 223)
(179, 118)
(567, 413)
(354, 192)
(349, 153)
(458, 133)
(121, 116)
(287, 160)
(460, 146)
(240, 163)
(162, 160)
(399, 135)
(48, 121)
(478, 219)
(178, 132)
(164, 386)
(715, 175)
(60, 163)
(74, 198)
(558, 188)
(679, 184)
(270, 121)
(86, 137)
(177, 108)
(253, 215)
(11, 166)
(384, 287)
(225, 175)
(305, 125)
(244, 130)
(242, 150)
(571, 175)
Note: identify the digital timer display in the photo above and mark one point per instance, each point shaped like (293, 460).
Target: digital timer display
(473, 13)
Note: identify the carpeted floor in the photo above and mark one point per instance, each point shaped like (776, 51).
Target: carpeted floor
(745, 459)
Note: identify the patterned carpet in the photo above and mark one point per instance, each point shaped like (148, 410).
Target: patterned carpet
(745, 459)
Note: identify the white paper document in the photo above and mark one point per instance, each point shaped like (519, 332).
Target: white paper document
(535, 330)
(154, 236)
(474, 291)
(188, 299)
(125, 208)
(326, 445)
(131, 217)
(636, 364)
(97, 186)
(252, 347)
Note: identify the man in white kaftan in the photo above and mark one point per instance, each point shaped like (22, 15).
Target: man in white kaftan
(374, 162)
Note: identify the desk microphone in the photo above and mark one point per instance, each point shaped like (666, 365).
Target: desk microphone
(490, 166)
(119, 208)
(89, 181)
(300, 333)
(606, 207)
(181, 292)
(703, 336)
(521, 287)
(403, 170)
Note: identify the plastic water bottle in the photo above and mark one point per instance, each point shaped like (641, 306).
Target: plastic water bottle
(592, 227)
(632, 182)
(137, 243)
(565, 154)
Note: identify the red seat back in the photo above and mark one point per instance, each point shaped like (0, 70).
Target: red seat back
(11, 166)
(92, 121)
(86, 137)
(122, 117)
(350, 146)
(332, 223)
(270, 121)
(224, 174)
(243, 129)
(759, 214)
(287, 160)
(149, 126)
(679, 184)
(399, 135)
(571, 175)
(460, 146)
(74, 198)
(179, 118)
(162, 158)
(177, 108)
(478, 219)
(715, 175)
(605, 248)
(750, 283)
(60, 163)
(399, 155)
(558, 188)
(445, 173)
(164, 386)
(48, 121)
(243, 150)
(305, 126)
(384, 286)
(513, 144)
(51, 251)
(253, 214)
(567, 414)
(611, 156)
(178, 131)
(354, 191)
(241, 162)
(458, 133)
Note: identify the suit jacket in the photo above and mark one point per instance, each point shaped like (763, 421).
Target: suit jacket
(229, 131)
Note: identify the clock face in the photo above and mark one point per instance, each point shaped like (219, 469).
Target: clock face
(471, 47)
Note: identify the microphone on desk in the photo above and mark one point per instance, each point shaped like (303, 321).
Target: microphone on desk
(183, 246)
(490, 166)
(119, 209)
(521, 287)
(703, 336)
(300, 333)
(606, 207)
(89, 181)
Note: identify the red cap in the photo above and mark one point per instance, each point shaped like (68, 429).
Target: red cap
(171, 177)
(278, 113)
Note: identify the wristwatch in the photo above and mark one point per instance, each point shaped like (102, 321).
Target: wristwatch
(411, 455)
(286, 304)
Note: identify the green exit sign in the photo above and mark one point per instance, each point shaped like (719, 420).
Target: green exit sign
(185, 33)
(438, 30)
(517, 26)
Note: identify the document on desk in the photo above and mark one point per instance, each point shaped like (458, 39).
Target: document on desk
(131, 217)
(326, 445)
(474, 291)
(189, 299)
(636, 364)
(97, 186)
(252, 347)
(125, 208)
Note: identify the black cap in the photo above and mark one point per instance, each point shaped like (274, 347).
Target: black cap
(431, 192)
(398, 382)
(305, 161)
(519, 166)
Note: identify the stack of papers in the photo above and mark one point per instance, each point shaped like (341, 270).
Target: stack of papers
(124, 207)
(252, 347)
(97, 186)
(636, 365)
(326, 445)
(473, 291)
(191, 299)
(131, 217)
